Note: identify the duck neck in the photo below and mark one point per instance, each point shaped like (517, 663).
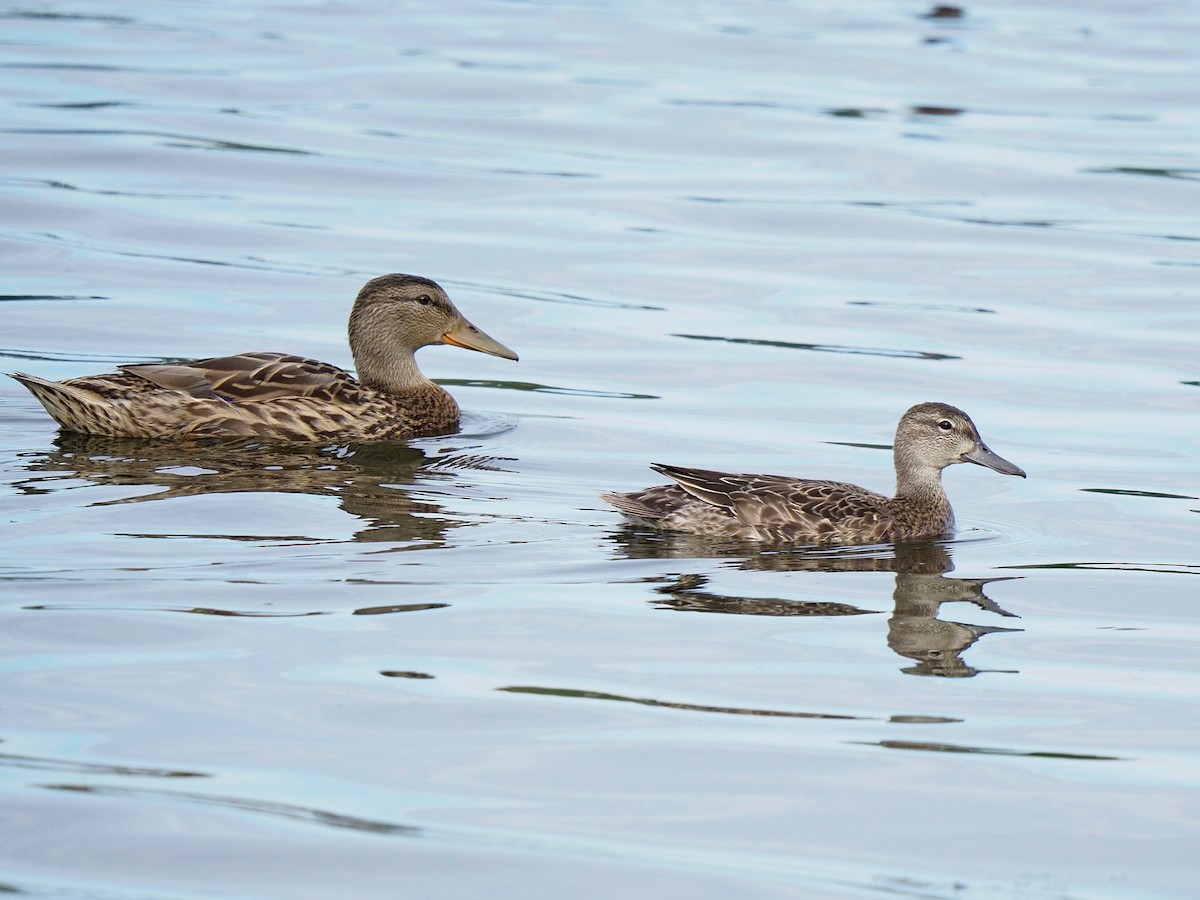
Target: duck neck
(384, 367)
(393, 375)
(919, 483)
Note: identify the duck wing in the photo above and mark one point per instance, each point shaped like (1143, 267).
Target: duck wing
(773, 501)
(249, 377)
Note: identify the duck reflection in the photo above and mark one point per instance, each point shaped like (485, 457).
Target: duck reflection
(916, 632)
(914, 629)
(371, 481)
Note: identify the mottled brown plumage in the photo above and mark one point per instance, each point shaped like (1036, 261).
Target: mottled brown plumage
(279, 397)
(778, 508)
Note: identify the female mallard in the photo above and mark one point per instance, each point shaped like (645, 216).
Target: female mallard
(930, 437)
(277, 397)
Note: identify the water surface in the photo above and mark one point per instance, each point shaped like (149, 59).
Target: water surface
(740, 236)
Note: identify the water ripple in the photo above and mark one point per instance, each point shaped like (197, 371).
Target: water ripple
(46, 764)
(57, 185)
(691, 707)
(75, 356)
(1181, 174)
(823, 348)
(398, 608)
(552, 296)
(1126, 492)
(1150, 567)
(928, 307)
(19, 298)
(192, 610)
(242, 804)
(542, 388)
(34, 14)
(249, 263)
(985, 751)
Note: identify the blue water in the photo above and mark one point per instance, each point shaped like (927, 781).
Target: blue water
(743, 236)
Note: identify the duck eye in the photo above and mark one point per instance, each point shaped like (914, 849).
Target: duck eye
(424, 299)
(945, 424)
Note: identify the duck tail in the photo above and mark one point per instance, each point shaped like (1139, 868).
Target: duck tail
(73, 408)
(632, 506)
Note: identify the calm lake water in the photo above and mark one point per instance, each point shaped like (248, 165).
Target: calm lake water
(743, 236)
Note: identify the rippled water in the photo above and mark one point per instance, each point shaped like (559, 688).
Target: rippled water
(736, 235)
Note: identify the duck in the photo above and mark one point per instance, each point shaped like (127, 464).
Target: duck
(280, 397)
(783, 509)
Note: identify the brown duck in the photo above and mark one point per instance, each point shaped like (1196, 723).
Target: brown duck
(279, 397)
(930, 437)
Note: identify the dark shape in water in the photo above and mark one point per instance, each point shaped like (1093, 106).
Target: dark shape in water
(289, 811)
(395, 673)
(691, 707)
(533, 387)
(945, 11)
(48, 764)
(988, 751)
(1182, 174)
(936, 111)
(400, 607)
(1123, 492)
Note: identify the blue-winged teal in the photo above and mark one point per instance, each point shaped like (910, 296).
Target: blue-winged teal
(930, 437)
(277, 397)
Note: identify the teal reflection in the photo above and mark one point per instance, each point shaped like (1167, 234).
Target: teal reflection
(915, 629)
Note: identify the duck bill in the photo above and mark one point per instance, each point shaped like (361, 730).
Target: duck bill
(983, 456)
(467, 336)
